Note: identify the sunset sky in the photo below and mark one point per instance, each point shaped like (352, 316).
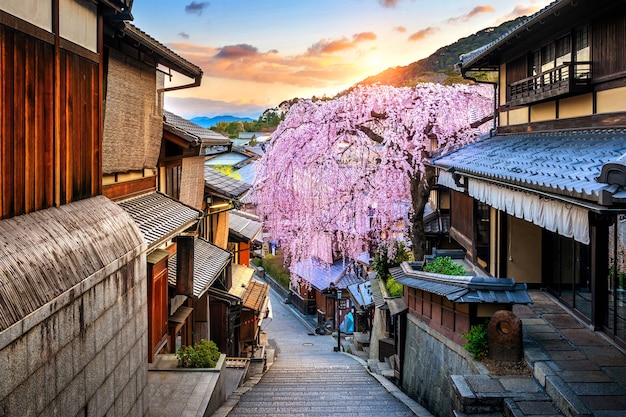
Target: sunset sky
(256, 54)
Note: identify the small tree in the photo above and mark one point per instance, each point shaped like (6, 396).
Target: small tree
(203, 354)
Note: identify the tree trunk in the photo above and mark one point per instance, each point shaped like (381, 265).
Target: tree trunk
(421, 183)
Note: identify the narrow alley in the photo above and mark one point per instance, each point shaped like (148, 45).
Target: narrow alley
(308, 378)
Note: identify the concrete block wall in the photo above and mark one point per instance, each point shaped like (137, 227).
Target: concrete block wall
(430, 361)
(85, 352)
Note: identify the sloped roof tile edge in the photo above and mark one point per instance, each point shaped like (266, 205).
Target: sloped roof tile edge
(471, 57)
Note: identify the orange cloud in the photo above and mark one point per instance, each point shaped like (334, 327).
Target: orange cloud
(518, 11)
(326, 46)
(422, 34)
(388, 3)
(246, 63)
(399, 29)
(472, 13)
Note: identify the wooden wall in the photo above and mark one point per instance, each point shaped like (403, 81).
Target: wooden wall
(49, 125)
(448, 318)
(607, 46)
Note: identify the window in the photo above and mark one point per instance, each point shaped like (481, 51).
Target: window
(581, 44)
(563, 48)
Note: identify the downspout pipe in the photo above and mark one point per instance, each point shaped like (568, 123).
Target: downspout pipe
(492, 131)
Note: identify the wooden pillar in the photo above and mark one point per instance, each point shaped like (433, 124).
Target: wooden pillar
(599, 236)
(184, 264)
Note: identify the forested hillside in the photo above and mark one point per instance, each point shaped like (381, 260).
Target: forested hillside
(439, 67)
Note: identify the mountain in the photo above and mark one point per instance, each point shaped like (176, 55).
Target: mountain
(212, 121)
(439, 66)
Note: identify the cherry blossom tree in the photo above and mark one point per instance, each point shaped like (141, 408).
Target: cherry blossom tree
(341, 174)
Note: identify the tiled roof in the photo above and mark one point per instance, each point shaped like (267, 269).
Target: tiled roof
(242, 275)
(167, 56)
(255, 295)
(208, 263)
(562, 163)
(191, 128)
(223, 184)
(377, 294)
(244, 225)
(463, 289)
(159, 217)
(48, 252)
(320, 274)
(362, 294)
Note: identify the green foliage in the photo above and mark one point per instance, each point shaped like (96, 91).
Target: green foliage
(203, 354)
(381, 261)
(227, 170)
(444, 265)
(477, 341)
(273, 266)
(394, 288)
(266, 122)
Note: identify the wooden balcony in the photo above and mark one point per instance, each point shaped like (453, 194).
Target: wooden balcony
(569, 78)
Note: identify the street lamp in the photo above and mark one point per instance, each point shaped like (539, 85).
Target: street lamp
(338, 348)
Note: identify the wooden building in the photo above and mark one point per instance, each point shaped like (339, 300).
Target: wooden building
(543, 199)
(73, 275)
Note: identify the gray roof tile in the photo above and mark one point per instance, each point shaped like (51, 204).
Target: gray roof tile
(223, 184)
(465, 289)
(565, 163)
(159, 217)
(320, 274)
(244, 225)
(208, 263)
(192, 128)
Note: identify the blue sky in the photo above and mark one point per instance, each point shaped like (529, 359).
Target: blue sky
(256, 54)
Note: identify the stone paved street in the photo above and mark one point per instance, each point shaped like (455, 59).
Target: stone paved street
(308, 378)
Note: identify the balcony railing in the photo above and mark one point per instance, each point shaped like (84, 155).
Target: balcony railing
(571, 77)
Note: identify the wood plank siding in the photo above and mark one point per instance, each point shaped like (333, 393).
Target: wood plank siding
(607, 40)
(46, 161)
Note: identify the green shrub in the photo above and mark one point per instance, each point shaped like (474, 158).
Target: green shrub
(477, 341)
(394, 288)
(381, 261)
(203, 354)
(444, 265)
(273, 266)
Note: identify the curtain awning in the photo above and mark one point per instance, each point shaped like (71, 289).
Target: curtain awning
(556, 216)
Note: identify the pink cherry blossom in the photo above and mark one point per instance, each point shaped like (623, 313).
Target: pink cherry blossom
(336, 176)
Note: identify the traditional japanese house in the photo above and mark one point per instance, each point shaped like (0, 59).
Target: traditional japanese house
(143, 158)
(239, 311)
(73, 270)
(543, 199)
(315, 289)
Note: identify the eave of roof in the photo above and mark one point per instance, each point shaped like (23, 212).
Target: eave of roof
(470, 59)
(242, 226)
(464, 289)
(321, 275)
(566, 164)
(224, 185)
(209, 261)
(191, 131)
(167, 56)
(159, 217)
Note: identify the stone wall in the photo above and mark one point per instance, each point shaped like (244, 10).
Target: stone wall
(430, 361)
(87, 358)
